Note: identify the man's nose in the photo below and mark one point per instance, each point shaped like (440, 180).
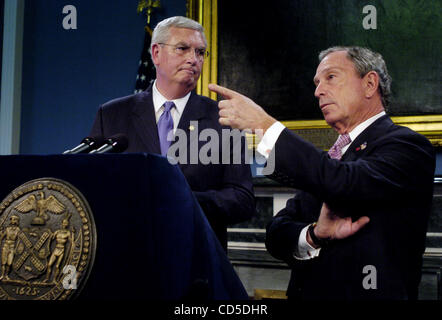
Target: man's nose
(192, 55)
(319, 90)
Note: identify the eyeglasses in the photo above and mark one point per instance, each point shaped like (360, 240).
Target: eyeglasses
(183, 50)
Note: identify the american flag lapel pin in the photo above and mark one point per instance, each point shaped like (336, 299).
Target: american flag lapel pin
(362, 146)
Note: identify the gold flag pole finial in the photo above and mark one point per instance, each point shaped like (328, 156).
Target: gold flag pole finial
(148, 5)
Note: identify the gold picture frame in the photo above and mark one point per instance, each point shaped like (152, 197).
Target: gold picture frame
(206, 13)
(315, 131)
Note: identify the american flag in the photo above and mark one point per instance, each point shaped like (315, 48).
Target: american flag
(146, 69)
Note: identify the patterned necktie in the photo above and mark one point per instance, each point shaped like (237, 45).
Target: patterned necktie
(165, 125)
(335, 152)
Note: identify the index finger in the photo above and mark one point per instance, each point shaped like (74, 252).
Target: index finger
(226, 93)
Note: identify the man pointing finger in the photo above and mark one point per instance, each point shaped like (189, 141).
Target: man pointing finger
(240, 112)
(364, 203)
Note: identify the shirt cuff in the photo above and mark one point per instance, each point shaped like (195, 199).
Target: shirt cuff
(268, 141)
(305, 251)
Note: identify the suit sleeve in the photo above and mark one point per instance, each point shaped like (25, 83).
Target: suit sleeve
(284, 229)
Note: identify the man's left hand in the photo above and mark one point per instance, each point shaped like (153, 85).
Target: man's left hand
(333, 227)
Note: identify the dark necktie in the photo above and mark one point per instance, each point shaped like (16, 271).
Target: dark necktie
(335, 152)
(165, 126)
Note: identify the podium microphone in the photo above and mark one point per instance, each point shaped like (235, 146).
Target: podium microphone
(86, 145)
(116, 143)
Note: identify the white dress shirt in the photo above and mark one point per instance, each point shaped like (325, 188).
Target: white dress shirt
(304, 250)
(159, 100)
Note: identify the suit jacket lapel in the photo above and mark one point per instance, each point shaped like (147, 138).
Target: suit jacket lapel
(193, 111)
(365, 138)
(143, 118)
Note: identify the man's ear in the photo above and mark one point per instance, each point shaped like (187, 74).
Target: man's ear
(155, 49)
(371, 83)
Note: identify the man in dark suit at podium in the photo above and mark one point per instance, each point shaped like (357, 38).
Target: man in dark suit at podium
(357, 229)
(178, 50)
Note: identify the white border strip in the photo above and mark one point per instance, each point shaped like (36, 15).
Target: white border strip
(246, 230)
(246, 246)
(437, 251)
(434, 234)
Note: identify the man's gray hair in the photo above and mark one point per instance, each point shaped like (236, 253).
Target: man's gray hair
(161, 33)
(365, 61)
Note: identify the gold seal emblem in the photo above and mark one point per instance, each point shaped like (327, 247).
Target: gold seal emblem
(47, 241)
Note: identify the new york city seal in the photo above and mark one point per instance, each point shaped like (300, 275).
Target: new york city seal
(47, 241)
